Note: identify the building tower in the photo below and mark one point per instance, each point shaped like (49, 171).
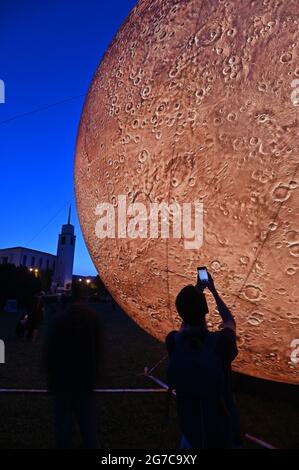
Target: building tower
(62, 279)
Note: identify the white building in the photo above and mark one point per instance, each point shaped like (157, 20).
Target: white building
(61, 264)
(31, 259)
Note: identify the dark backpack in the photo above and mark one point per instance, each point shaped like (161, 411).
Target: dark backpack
(195, 366)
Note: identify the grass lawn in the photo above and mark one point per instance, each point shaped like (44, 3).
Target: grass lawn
(128, 421)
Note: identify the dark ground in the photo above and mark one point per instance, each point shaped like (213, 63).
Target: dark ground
(128, 421)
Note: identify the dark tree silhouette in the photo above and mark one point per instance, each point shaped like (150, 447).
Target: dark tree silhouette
(17, 283)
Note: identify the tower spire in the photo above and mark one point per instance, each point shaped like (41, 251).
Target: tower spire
(69, 218)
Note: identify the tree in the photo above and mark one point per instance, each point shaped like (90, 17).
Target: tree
(17, 283)
(100, 286)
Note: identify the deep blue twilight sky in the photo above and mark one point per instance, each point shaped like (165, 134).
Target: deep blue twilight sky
(49, 51)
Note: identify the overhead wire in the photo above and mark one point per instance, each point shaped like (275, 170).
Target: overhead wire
(42, 108)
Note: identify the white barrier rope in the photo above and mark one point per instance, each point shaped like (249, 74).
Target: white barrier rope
(256, 440)
(98, 390)
(158, 381)
(158, 363)
(259, 442)
(164, 388)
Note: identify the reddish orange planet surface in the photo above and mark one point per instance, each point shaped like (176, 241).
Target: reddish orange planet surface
(192, 102)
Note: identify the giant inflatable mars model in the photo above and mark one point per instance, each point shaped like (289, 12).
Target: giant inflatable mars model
(195, 101)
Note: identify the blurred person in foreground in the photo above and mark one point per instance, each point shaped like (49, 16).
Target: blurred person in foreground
(72, 359)
(200, 372)
(32, 321)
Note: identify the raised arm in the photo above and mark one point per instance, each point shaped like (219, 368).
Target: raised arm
(225, 313)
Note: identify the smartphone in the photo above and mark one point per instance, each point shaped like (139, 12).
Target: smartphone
(203, 274)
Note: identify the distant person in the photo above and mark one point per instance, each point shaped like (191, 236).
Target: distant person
(72, 358)
(21, 326)
(35, 316)
(199, 370)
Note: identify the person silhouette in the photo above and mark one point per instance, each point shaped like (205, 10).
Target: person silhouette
(72, 359)
(200, 371)
(35, 315)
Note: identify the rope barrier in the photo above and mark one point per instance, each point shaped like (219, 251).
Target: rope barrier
(98, 390)
(158, 363)
(147, 373)
(256, 440)
(158, 381)
(259, 442)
